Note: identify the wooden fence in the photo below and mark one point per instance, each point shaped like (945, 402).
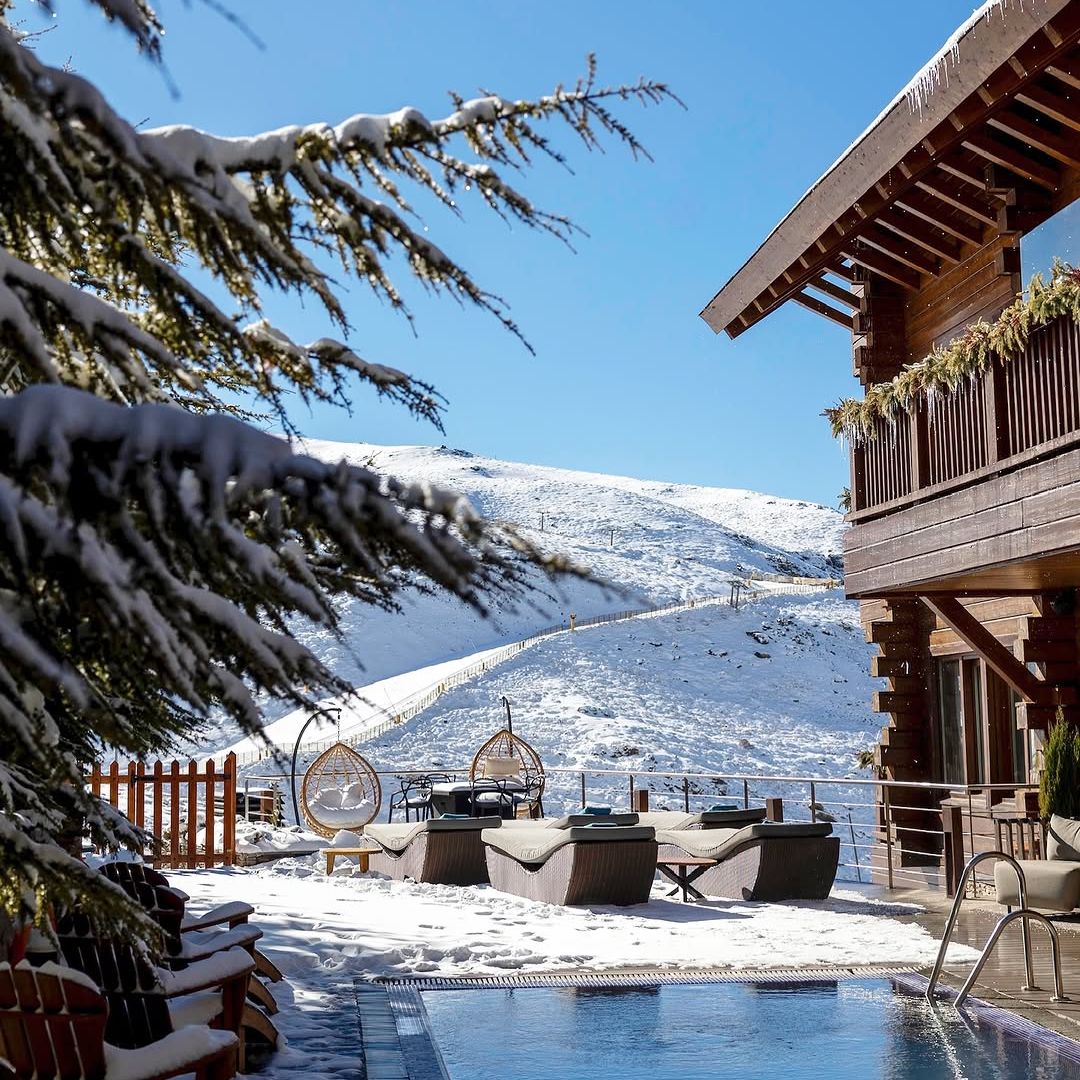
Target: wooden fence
(180, 806)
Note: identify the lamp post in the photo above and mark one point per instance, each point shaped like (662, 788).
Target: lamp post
(328, 712)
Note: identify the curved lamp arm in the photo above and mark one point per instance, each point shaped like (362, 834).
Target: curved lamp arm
(329, 712)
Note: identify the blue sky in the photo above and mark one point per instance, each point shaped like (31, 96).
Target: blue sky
(626, 378)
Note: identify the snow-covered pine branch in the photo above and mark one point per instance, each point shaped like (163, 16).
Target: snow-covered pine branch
(110, 213)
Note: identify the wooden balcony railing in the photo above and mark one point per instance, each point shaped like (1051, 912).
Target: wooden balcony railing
(1010, 414)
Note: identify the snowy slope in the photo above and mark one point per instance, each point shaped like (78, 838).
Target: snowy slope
(657, 542)
(779, 687)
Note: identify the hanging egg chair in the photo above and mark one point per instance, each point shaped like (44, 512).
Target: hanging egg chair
(508, 755)
(340, 791)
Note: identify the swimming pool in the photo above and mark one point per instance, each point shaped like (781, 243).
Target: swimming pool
(848, 1029)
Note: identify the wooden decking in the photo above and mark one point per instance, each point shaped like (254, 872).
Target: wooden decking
(1000, 981)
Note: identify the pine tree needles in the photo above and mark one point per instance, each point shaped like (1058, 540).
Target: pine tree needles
(963, 359)
(1059, 781)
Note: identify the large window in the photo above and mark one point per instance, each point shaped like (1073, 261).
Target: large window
(951, 722)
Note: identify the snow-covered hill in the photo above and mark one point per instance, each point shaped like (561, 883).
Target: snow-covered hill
(656, 542)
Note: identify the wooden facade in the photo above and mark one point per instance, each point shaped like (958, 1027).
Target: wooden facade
(964, 546)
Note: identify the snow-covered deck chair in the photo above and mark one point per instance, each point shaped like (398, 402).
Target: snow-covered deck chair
(133, 877)
(591, 864)
(145, 1001)
(52, 1024)
(441, 851)
(764, 861)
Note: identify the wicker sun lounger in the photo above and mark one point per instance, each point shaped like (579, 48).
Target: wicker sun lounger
(765, 861)
(571, 821)
(577, 865)
(441, 851)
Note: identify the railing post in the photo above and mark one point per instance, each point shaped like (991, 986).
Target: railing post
(813, 801)
(920, 447)
(886, 806)
(952, 824)
(641, 801)
(995, 407)
(746, 794)
(583, 790)
(774, 809)
(686, 793)
(631, 803)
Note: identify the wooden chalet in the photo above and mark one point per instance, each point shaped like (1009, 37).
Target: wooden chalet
(964, 548)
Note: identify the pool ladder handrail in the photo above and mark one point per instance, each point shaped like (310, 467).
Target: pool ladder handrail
(1023, 913)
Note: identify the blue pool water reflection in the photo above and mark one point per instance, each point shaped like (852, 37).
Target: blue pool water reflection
(845, 1030)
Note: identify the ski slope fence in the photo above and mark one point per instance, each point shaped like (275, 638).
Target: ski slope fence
(420, 700)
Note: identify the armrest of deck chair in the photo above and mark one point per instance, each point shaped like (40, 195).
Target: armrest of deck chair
(233, 913)
(188, 1050)
(223, 968)
(199, 944)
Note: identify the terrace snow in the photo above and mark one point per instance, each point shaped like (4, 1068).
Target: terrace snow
(323, 932)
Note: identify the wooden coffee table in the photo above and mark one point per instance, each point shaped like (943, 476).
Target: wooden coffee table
(361, 854)
(684, 872)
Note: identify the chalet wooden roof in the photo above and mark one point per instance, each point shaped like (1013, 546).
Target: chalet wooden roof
(996, 111)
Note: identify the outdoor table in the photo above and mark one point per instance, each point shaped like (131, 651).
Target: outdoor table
(455, 797)
(361, 854)
(684, 871)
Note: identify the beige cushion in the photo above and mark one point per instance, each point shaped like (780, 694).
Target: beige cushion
(732, 819)
(1052, 884)
(668, 819)
(496, 768)
(719, 843)
(570, 820)
(534, 846)
(399, 837)
(1063, 839)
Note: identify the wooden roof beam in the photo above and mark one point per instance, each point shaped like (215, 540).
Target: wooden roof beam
(1047, 103)
(1060, 148)
(812, 303)
(940, 187)
(841, 269)
(917, 231)
(934, 213)
(837, 292)
(1066, 70)
(996, 655)
(903, 251)
(1014, 159)
(882, 265)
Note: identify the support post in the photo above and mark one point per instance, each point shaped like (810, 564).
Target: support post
(774, 809)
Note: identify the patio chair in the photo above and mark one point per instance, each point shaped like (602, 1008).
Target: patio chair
(53, 1022)
(591, 864)
(415, 796)
(571, 820)
(145, 1001)
(340, 790)
(131, 876)
(763, 861)
(441, 851)
(1053, 883)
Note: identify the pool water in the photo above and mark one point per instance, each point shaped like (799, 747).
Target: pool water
(845, 1030)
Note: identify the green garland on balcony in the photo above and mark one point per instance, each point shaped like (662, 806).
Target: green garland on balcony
(965, 357)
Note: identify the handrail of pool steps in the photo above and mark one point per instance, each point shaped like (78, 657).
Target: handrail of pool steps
(864, 836)
(412, 704)
(1023, 913)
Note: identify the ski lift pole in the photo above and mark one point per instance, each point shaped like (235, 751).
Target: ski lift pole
(328, 711)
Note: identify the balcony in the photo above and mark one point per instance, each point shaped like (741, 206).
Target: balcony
(976, 479)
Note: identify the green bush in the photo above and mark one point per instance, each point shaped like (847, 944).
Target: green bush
(1059, 782)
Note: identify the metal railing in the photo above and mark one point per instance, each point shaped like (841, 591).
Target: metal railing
(876, 844)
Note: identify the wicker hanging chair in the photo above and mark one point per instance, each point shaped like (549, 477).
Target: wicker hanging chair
(340, 791)
(506, 747)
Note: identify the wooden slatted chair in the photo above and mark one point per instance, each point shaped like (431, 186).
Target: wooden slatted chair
(53, 1022)
(133, 877)
(140, 995)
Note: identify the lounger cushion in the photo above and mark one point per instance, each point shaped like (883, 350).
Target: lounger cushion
(1063, 839)
(399, 837)
(733, 819)
(719, 843)
(1052, 884)
(535, 846)
(571, 820)
(668, 819)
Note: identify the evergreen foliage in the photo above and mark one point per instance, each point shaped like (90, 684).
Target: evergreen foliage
(966, 357)
(153, 550)
(1059, 781)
